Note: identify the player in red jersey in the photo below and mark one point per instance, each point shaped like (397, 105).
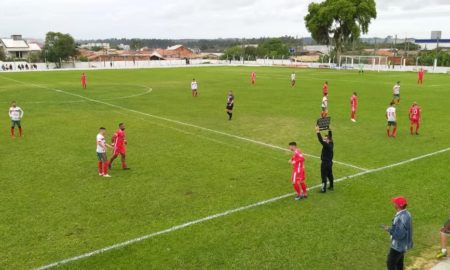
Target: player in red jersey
(325, 89)
(298, 172)
(253, 78)
(420, 75)
(83, 81)
(415, 113)
(119, 143)
(354, 105)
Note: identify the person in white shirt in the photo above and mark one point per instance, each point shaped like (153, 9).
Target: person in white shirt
(391, 116)
(293, 79)
(15, 114)
(324, 112)
(194, 88)
(396, 93)
(101, 153)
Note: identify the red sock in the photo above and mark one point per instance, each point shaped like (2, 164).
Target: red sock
(124, 165)
(20, 132)
(100, 167)
(353, 115)
(304, 188)
(394, 133)
(105, 168)
(12, 131)
(388, 133)
(297, 189)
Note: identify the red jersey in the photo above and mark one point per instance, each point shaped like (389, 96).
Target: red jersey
(253, 75)
(119, 139)
(325, 89)
(421, 73)
(354, 102)
(83, 78)
(298, 165)
(414, 113)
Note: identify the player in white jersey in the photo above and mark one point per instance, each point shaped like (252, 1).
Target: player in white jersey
(15, 114)
(293, 79)
(101, 153)
(391, 116)
(324, 112)
(396, 93)
(194, 88)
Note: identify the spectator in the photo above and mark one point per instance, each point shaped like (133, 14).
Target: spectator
(445, 231)
(401, 233)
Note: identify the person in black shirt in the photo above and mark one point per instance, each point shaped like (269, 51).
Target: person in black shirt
(327, 159)
(230, 105)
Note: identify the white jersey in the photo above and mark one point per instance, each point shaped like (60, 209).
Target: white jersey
(100, 143)
(293, 76)
(15, 113)
(325, 102)
(194, 85)
(391, 114)
(396, 89)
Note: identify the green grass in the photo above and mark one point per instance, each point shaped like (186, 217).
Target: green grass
(54, 206)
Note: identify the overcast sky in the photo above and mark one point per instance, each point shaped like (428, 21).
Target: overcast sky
(86, 19)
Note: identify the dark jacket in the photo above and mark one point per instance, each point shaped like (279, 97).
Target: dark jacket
(328, 148)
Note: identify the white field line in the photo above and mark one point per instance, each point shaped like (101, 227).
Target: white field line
(181, 123)
(223, 214)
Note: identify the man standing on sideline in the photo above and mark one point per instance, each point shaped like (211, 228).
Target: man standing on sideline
(391, 116)
(420, 75)
(83, 81)
(396, 93)
(354, 105)
(101, 153)
(15, 114)
(194, 88)
(298, 172)
(445, 231)
(293, 79)
(415, 113)
(326, 169)
(230, 105)
(119, 143)
(401, 232)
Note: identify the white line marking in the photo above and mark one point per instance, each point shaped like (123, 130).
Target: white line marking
(182, 123)
(226, 213)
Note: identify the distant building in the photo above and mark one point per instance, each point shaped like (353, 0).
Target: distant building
(17, 47)
(176, 52)
(92, 45)
(124, 47)
(323, 49)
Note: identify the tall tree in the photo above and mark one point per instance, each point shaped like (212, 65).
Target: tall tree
(273, 47)
(2, 54)
(340, 21)
(59, 46)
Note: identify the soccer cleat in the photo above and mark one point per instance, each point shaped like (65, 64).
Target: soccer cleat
(107, 175)
(298, 198)
(126, 169)
(353, 120)
(322, 191)
(441, 255)
(100, 174)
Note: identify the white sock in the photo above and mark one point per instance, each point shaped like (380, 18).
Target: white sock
(444, 250)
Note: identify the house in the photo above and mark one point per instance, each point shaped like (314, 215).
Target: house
(18, 48)
(176, 52)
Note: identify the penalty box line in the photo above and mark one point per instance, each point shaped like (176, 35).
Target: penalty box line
(182, 123)
(223, 214)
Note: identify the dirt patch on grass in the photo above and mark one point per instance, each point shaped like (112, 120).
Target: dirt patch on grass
(425, 261)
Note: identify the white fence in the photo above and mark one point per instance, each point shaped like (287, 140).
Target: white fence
(202, 62)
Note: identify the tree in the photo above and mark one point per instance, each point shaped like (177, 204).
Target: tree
(234, 52)
(273, 48)
(58, 47)
(2, 54)
(342, 21)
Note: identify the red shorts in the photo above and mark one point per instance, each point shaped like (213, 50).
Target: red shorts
(298, 177)
(119, 150)
(353, 109)
(414, 121)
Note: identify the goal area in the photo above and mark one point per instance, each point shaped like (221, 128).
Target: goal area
(364, 62)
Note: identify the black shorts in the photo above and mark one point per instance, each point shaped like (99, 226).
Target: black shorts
(392, 123)
(230, 107)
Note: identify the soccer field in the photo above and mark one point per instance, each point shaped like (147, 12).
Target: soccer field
(208, 193)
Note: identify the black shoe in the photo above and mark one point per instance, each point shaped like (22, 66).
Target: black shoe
(298, 198)
(331, 188)
(126, 169)
(323, 191)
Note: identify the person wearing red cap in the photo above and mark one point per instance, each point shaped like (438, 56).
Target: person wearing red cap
(401, 233)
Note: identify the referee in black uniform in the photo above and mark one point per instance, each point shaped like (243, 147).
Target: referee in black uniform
(326, 169)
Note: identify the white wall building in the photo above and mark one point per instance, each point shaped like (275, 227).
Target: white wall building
(91, 45)
(18, 48)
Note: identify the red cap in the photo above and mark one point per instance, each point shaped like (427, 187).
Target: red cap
(400, 201)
